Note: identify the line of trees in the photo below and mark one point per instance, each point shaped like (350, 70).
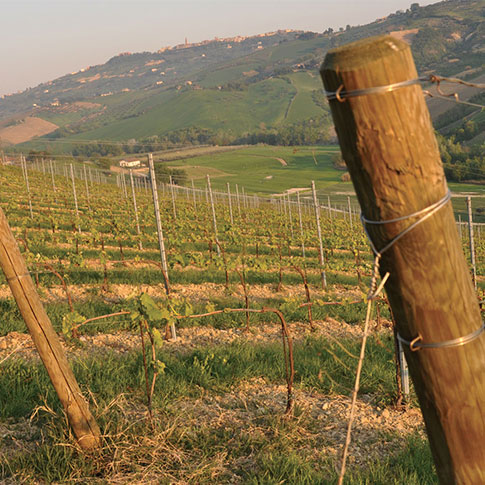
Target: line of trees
(462, 163)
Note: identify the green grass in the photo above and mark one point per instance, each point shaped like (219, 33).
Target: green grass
(303, 107)
(215, 368)
(250, 167)
(280, 454)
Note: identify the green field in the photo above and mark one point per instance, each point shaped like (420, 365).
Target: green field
(258, 170)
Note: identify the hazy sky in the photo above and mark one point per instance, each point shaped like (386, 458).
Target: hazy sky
(44, 39)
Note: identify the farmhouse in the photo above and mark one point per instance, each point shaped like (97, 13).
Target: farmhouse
(130, 162)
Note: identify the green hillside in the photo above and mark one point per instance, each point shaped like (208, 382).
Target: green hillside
(243, 90)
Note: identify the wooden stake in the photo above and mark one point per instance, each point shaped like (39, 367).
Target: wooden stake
(45, 339)
(388, 143)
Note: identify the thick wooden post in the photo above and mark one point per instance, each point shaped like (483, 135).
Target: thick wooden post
(389, 146)
(45, 339)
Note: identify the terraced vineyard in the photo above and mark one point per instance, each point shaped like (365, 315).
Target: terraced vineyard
(209, 405)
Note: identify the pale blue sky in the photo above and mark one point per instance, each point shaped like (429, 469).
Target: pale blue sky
(44, 39)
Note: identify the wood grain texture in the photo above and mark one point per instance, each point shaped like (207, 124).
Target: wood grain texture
(45, 339)
(389, 146)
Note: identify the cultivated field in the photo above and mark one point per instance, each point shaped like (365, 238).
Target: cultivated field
(221, 388)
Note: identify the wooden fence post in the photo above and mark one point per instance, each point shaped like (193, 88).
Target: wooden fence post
(388, 143)
(45, 339)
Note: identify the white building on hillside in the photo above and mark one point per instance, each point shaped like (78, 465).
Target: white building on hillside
(130, 162)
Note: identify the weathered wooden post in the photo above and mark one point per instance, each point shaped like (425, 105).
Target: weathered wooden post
(388, 143)
(45, 339)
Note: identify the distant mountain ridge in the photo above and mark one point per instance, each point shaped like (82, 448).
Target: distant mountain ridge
(238, 88)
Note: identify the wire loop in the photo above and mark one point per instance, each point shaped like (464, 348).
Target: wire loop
(416, 344)
(341, 95)
(425, 213)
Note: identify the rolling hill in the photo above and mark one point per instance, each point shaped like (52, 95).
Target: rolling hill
(238, 89)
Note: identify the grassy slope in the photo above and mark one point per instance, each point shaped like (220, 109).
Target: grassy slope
(249, 167)
(303, 106)
(235, 111)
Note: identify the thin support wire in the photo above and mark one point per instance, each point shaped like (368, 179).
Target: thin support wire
(357, 379)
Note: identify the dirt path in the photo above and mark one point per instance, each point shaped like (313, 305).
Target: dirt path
(15, 344)
(116, 293)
